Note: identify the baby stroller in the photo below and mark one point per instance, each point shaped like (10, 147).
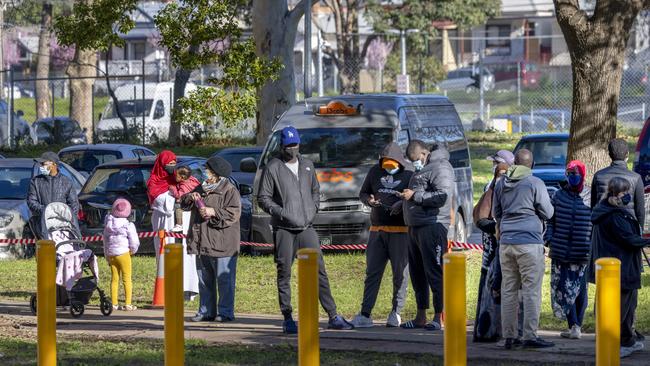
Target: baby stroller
(63, 230)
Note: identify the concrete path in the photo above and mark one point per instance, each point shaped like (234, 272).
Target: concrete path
(266, 331)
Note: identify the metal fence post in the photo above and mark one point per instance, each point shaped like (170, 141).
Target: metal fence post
(308, 339)
(307, 43)
(174, 332)
(143, 99)
(481, 92)
(11, 109)
(608, 311)
(518, 84)
(455, 305)
(46, 303)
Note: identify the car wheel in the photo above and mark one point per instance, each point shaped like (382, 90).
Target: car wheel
(460, 231)
(32, 304)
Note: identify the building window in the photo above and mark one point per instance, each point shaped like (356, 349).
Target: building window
(498, 40)
(137, 50)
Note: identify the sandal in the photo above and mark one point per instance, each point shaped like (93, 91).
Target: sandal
(411, 325)
(433, 325)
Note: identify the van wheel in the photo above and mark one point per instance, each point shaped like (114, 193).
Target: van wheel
(460, 232)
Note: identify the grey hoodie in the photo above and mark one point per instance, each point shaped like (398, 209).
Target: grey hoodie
(521, 205)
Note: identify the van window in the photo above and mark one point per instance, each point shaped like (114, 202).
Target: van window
(428, 116)
(337, 147)
(129, 108)
(403, 139)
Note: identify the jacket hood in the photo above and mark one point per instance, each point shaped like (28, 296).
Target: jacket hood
(516, 173)
(393, 151)
(602, 209)
(439, 154)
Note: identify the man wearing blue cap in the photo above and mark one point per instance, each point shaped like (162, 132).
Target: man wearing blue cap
(290, 193)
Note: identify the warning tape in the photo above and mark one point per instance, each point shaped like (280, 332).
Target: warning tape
(152, 234)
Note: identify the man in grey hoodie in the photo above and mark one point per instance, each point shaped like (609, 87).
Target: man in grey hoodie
(520, 206)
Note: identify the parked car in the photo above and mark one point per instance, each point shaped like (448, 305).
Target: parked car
(15, 177)
(22, 130)
(560, 118)
(524, 123)
(237, 156)
(549, 153)
(128, 178)
(642, 165)
(506, 74)
(59, 130)
(462, 79)
(84, 158)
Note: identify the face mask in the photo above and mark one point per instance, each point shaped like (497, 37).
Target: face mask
(392, 171)
(44, 170)
(626, 199)
(290, 154)
(170, 169)
(418, 165)
(574, 179)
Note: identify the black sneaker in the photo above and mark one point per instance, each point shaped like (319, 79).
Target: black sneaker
(538, 343)
(512, 343)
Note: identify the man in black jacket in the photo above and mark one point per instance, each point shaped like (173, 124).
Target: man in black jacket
(48, 187)
(290, 193)
(388, 239)
(427, 212)
(619, 153)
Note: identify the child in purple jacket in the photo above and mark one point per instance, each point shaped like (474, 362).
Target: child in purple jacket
(120, 243)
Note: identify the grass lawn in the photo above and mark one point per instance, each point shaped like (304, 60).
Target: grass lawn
(61, 107)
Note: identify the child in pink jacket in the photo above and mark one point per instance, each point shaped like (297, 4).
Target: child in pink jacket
(120, 243)
(185, 183)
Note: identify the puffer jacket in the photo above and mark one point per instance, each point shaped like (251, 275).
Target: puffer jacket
(218, 236)
(44, 190)
(120, 236)
(568, 232)
(292, 202)
(617, 234)
(385, 187)
(435, 189)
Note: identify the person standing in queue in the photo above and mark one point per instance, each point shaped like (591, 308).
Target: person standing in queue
(427, 212)
(290, 193)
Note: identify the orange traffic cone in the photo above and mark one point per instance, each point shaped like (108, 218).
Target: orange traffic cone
(159, 288)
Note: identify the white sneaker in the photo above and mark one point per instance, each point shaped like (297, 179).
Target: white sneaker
(574, 333)
(177, 229)
(361, 321)
(394, 320)
(627, 351)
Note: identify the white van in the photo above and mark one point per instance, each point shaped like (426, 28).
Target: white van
(154, 110)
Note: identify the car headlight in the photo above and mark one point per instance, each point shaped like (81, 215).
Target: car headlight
(366, 208)
(6, 219)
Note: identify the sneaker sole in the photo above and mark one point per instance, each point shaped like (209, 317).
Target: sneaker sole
(363, 325)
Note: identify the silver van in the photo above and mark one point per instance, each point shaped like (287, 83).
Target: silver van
(344, 136)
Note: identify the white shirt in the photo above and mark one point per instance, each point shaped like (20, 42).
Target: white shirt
(293, 167)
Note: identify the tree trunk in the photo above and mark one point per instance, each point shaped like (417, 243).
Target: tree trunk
(180, 81)
(81, 90)
(274, 31)
(43, 93)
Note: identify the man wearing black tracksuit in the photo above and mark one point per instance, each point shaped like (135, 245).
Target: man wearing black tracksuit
(388, 239)
(290, 193)
(427, 212)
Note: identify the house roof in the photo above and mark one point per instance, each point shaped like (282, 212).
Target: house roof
(526, 8)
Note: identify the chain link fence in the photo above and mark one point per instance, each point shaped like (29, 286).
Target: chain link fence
(526, 81)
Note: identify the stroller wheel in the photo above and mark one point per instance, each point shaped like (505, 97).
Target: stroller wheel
(32, 304)
(106, 306)
(77, 309)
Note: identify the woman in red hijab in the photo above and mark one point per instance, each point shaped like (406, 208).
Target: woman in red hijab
(162, 203)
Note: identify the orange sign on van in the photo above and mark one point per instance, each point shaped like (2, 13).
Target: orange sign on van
(334, 176)
(337, 108)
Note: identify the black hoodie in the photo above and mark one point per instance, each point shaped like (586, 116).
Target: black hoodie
(617, 234)
(385, 187)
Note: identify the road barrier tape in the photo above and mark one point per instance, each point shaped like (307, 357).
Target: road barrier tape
(152, 234)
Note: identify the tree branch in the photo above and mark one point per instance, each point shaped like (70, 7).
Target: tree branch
(297, 12)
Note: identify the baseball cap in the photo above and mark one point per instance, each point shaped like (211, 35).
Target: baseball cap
(503, 156)
(290, 136)
(48, 156)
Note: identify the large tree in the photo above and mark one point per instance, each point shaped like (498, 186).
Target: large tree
(597, 45)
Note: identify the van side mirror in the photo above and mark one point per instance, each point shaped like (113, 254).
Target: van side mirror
(248, 165)
(245, 190)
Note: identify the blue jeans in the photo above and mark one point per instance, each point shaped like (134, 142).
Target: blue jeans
(216, 273)
(577, 312)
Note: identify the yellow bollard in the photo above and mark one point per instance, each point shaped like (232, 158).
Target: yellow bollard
(46, 302)
(174, 336)
(608, 312)
(308, 338)
(455, 305)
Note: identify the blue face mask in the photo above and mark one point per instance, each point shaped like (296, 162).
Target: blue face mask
(574, 179)
(626, 199)
(418, 165)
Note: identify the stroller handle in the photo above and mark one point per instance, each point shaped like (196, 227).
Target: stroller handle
(77, 244)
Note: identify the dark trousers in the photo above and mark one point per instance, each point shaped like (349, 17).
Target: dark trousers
(384, 247)
(287, 244)
(629, 300)
(576, 315)
(427, 246)
(217, 275)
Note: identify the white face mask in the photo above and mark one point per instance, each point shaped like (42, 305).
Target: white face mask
(418, 165)
(44, 170)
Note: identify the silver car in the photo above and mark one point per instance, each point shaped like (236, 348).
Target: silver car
(463, 79)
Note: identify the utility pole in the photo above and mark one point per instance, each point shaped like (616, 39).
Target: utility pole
(402, 41)
(307, 63)
(319, 69)
(3, 5)
(481, 87)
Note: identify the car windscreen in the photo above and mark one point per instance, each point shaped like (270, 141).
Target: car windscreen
(14, 183)
(547, 153)
(234, 158)
(130, 108)
(119, 180)
(67, 127)
(87, 160)
(337, 147)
